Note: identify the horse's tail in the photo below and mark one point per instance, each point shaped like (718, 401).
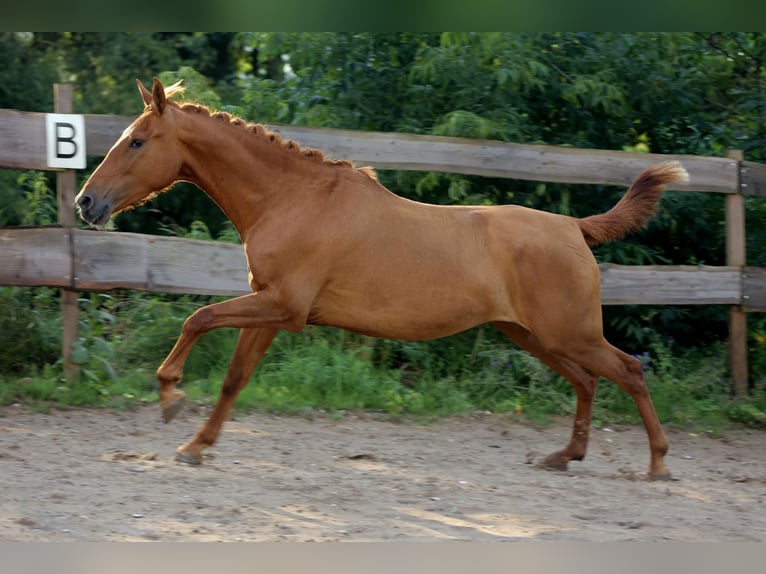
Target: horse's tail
(635, 208)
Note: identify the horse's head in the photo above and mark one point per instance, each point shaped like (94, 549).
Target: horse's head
(145, 160)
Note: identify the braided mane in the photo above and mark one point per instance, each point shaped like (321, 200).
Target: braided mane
(263, 132)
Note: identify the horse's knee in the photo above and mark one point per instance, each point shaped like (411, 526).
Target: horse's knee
(197, 323)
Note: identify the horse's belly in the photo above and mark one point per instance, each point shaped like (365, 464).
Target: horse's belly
(429, 314)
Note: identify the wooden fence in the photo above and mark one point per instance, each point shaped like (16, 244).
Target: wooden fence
(81, 260)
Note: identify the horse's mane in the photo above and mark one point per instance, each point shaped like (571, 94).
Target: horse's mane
(261, 131)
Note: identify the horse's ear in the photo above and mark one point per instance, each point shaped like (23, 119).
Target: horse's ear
(146, 95)
(158, 96)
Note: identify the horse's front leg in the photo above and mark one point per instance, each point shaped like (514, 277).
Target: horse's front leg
(251, 346)
(169, 375)
(257, 310)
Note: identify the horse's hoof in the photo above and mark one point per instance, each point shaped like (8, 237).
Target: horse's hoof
(663, 476)
(186, 458)
(169, 411)
(555, 462)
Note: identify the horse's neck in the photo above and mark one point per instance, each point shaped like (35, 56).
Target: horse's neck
(249, 176)
(233, 169)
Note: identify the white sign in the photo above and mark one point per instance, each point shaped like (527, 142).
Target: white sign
(65, 136)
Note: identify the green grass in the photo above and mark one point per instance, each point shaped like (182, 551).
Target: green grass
(125, 336)
(337, 373)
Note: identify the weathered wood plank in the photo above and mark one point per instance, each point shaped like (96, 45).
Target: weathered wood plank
(108, 260)
(754, 289)
(753, 178)
(22, 145)
(511, 160)
(35, 257)
(111, 260)
(22, 137)
(102, 131)
(22, 140)
(669, 285)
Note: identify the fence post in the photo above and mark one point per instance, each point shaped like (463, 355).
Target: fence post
(65, 191)
(735, 257)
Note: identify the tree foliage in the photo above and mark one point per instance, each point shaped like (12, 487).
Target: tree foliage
(697, 93)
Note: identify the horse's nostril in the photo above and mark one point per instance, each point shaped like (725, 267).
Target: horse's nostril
(85, 201)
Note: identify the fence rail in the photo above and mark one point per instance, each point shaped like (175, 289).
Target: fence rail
(24, 147)
(86, 260)
(76, 259)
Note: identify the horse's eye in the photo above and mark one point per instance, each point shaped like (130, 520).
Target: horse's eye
(136, 143)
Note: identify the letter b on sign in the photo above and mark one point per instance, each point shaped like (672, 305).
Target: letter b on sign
(65, 136)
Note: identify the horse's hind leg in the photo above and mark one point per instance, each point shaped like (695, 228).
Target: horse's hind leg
(251, 346)
(584, 384)
(611, 363)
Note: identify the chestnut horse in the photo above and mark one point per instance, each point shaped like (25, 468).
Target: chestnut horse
(327, 244)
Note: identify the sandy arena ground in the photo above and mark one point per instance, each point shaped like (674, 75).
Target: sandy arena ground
(105, 475)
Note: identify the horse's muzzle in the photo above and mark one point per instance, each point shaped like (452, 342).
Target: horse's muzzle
(91, 210)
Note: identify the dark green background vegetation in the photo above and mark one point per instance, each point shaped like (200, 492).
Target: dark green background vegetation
(696, 93)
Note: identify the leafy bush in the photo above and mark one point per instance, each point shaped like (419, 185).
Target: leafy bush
(30, 329)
